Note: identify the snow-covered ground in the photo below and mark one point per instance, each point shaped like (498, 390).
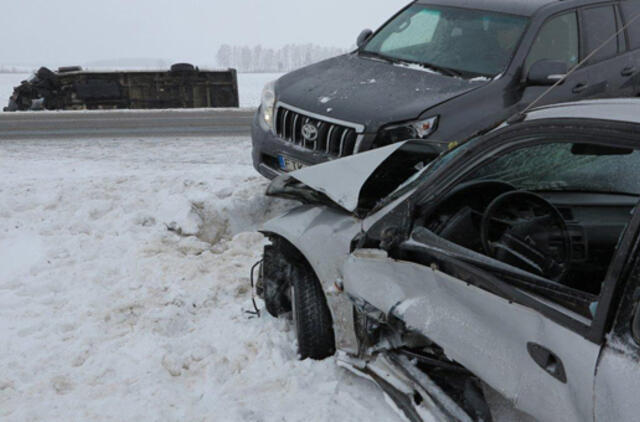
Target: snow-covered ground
(124, 283)
(7, 82)
(249, 86)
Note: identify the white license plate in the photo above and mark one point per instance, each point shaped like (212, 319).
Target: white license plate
(289, 164)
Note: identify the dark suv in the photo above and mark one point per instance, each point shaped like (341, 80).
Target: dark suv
(444, 70)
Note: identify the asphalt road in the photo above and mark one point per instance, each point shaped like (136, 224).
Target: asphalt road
(126, 123)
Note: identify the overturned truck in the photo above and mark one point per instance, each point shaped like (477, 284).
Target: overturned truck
(72, 88)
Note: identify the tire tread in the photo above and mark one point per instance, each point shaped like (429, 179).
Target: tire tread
(314, 325)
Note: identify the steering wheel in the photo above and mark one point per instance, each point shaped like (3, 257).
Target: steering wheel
(525, 230)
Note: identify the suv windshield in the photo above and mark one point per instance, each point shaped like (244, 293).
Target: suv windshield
(466, 41)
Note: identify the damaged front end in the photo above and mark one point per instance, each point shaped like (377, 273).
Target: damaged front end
(357, 183)
(318, 237)
(412, 371)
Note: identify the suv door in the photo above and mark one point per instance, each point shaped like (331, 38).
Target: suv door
(610, 68)
(558, 39)
(630, 11)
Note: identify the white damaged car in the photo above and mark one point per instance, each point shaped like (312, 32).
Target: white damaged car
(509, 263)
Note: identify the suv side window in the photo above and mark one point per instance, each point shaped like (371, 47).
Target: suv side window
(599, 25)
(631, 9)
(557, 40)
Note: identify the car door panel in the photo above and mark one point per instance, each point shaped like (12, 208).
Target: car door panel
(482, 331)
(618, 373)
(617, 384)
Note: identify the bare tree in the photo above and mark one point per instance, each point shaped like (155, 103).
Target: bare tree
(285, 59)
(224, 56)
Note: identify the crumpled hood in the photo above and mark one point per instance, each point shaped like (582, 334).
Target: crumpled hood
(356, 181)
(369, 91)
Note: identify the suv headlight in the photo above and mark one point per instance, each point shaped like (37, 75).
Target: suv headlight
(268, 104)
(420, 129)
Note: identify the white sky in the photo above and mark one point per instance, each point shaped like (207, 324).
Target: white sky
(67, 32)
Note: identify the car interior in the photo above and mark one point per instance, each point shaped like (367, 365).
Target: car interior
(556, 211)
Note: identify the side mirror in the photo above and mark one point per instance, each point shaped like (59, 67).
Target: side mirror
(364, 37)
(426, 149)
(547, 72)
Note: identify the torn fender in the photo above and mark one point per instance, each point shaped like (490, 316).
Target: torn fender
(356, 183)
(323, 237)
(401, 381)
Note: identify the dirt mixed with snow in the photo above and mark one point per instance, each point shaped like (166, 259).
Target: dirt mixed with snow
(124, 288)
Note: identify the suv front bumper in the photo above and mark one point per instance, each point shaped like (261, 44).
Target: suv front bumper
(267, 147)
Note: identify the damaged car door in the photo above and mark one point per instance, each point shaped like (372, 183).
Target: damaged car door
(511, 347)
(515, 320)
(618, 372)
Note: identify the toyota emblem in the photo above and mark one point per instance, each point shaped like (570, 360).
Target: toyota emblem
(309, 132)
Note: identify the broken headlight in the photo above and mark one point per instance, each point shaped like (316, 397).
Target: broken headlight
(420, 129)
(268, 104)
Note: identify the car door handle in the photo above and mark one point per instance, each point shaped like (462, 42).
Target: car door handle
(548, 361)
(628, 71)
(580, 87)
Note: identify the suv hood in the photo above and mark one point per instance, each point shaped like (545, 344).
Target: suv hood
(369, 91)
(358, 182)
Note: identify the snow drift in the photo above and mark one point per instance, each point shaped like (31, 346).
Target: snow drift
(124, 283)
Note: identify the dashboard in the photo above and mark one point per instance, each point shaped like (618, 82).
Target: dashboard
(595, 222)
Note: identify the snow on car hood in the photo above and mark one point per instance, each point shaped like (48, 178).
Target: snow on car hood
(344, 181)
(369, 91)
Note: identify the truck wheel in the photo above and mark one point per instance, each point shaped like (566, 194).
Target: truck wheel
(311, 316)
(45, 74)
(182, 67)
(67, 69)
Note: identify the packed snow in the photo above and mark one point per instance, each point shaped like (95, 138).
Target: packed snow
(124, 286)
(249, 86)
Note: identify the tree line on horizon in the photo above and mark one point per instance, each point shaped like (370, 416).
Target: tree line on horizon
(285, 59)
(15, 69)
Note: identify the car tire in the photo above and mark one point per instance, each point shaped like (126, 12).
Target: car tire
(311, 316)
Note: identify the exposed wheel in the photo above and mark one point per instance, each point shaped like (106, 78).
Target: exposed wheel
(311, 315)
(274, 282)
